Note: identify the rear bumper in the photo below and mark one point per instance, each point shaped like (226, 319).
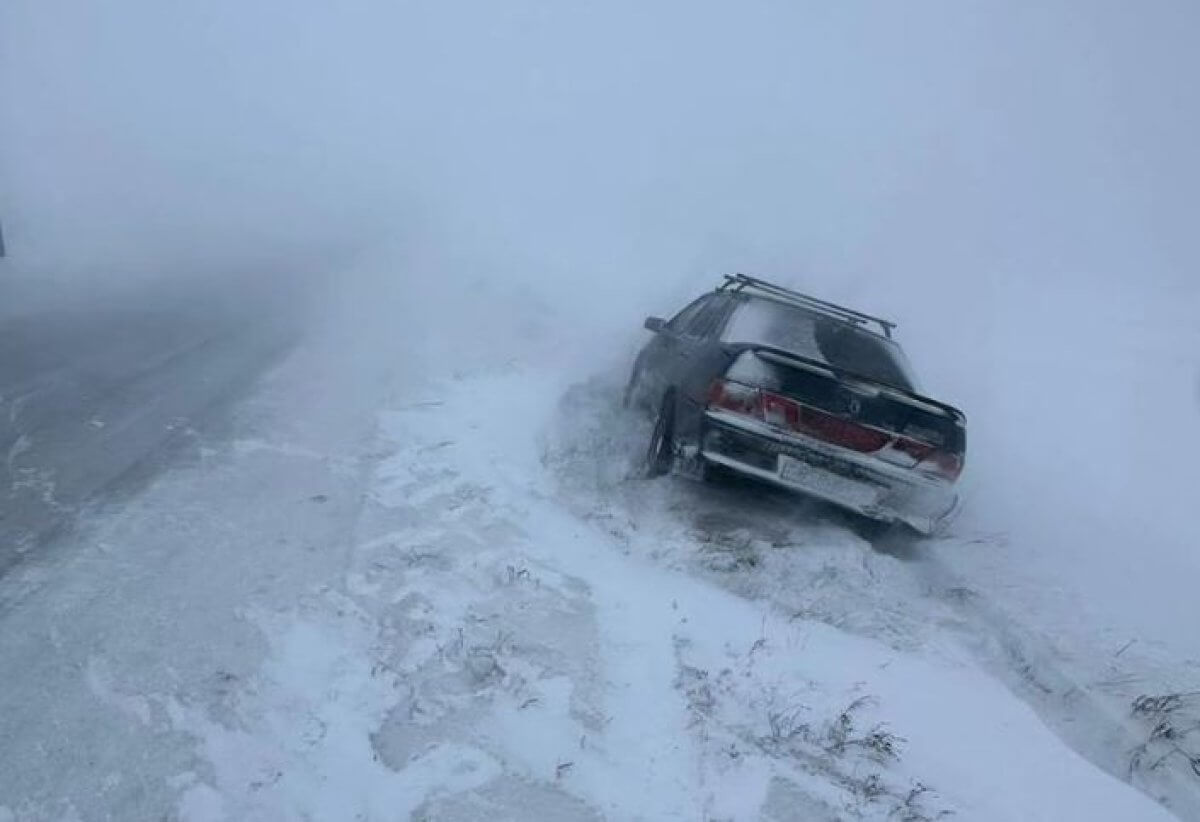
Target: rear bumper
(857, 482)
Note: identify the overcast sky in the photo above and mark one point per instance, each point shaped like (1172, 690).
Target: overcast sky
(901, 142)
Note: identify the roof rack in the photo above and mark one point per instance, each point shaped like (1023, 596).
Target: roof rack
(741, 282)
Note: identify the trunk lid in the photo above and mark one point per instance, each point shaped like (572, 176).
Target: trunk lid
(848, 410)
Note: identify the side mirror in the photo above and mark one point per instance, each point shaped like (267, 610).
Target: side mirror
(655, 324)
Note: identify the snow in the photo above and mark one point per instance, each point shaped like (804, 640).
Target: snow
(957, 723)
(477, 610)
(413, 574)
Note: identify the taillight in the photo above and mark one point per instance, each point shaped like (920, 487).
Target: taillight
(780, 411)
(914, 448)
(943, 464)
(736, 397)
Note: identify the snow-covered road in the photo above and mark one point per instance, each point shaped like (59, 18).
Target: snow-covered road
(97, 386)
(389, 589)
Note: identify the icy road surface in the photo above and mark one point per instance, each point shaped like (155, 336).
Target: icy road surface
(377, 594)
(96, 387)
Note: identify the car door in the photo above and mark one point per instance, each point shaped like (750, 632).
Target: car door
(661, 358)
(697, 353)
(695, 332)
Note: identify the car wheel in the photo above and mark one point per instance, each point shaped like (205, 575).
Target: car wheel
(660, 454)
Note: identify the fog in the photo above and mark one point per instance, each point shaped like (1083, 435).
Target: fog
(931, 147)
(354, 234)
(1016, 184)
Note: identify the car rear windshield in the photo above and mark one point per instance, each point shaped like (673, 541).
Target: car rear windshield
(834, 342)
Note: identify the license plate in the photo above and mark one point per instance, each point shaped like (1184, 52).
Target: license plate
(826, 483)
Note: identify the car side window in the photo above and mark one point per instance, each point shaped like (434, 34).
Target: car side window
(706, 320)
(683, 320)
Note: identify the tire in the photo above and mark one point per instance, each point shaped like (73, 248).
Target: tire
(660, 452)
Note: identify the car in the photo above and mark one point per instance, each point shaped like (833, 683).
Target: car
(765, 382)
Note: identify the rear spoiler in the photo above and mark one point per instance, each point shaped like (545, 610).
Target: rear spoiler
(793, 359)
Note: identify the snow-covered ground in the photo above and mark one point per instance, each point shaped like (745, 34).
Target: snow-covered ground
(413, 576)
(416, 578)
